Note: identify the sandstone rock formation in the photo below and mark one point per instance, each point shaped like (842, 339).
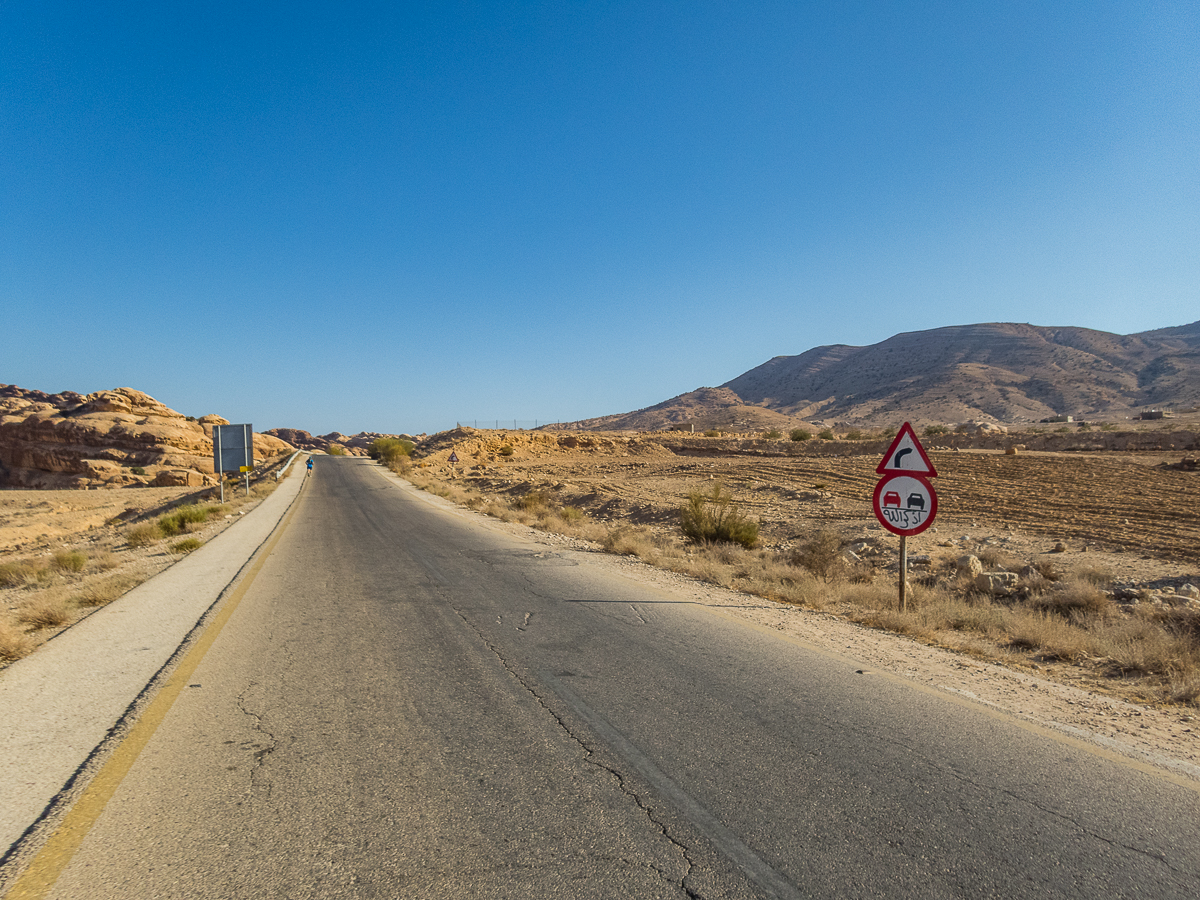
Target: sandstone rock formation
(109, 438)
(355, 445)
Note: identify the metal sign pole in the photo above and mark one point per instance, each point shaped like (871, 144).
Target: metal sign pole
(903, 570)
(217, 455)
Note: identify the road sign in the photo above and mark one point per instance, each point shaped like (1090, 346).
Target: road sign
(453, 457)
(906, 455)
(233, 447)
(904, 504)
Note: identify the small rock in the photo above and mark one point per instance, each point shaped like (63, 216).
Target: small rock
(1060, 547)
(1190, 591)
(969, 565)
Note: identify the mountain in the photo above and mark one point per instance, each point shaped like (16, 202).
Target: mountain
(1002, 371)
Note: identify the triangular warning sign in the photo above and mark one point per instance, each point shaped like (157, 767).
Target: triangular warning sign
(906, 455)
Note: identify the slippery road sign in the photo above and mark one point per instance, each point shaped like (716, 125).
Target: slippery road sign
(906, 455)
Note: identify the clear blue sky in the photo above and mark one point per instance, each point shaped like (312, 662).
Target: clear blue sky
(394, 216)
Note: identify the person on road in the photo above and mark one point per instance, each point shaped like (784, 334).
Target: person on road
(310, 465)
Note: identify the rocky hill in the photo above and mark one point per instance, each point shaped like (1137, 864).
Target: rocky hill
(109, 438)
(996, 371)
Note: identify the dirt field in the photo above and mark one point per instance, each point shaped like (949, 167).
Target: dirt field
(1129, 511)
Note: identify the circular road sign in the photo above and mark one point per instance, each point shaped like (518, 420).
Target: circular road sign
(905, 504)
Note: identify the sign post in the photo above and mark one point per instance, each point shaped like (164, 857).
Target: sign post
(904, 501)
(233, 451)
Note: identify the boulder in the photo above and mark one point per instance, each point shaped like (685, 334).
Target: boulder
(1190, 591)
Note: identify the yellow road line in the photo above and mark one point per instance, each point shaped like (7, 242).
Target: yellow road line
(54, 857)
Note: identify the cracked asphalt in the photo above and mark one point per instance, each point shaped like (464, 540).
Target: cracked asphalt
(410, 702)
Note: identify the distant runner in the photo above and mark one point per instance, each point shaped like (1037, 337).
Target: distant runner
(310, 465)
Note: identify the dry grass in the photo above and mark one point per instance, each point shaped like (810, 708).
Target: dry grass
(143, 535)
(14, 643)
(187, 545)
(47, 611)
(104, 591)
(71, 561)
(20, 573)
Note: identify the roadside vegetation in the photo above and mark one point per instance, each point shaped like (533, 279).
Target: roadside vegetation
(1045, 619)
(49, 591)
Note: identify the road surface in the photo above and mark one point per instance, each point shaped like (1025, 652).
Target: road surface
(408, 704)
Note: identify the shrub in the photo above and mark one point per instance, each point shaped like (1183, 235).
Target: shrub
(45, 612)
(572, 515)
(854, 434)
(821, 554)
(184, 517)
(712, 432)
(105, 590)
(826, 434)
(715, 517)
(799, 434)
(187, 545)
(336, 450)
(14, 643)
(506, 450)
(773, 435)
(389, 450)
(69, 561)
(934, 430)
(138, 470)
(143, 535)
(19, 573)
(534, 501)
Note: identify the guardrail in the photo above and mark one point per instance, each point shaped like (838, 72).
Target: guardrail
(287, 465)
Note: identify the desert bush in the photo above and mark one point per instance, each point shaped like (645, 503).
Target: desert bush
(336, 450)
(390, 450)
(854, 434)
(1074, 599)
(105, 590)
(138, 470)
(773, 435)
(572, 515)
(187, 518)
(826, 435)
(712, 432)
(14, 642)
(187, 545)
(715, 517)
(44, 612)
(935, 430)
(103, 561)
(69, 561)
(534, 501)
(143, 535)
(1093, 575)
(799, 434)
(506, 450)
(19, 573)
(821, 554)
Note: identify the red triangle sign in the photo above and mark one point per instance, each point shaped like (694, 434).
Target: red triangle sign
(906, 455)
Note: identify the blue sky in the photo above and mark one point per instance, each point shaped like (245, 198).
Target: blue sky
(396, 216)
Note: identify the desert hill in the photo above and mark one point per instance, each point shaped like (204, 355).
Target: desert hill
(109, 438)
(994, 371)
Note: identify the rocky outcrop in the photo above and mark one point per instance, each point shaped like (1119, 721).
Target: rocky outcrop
(109, 438)
(355, 445)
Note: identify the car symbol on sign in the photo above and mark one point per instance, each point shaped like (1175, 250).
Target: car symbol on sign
(891, 498)
(915, 501)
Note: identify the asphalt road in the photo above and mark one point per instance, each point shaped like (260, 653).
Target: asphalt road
(406, 704)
